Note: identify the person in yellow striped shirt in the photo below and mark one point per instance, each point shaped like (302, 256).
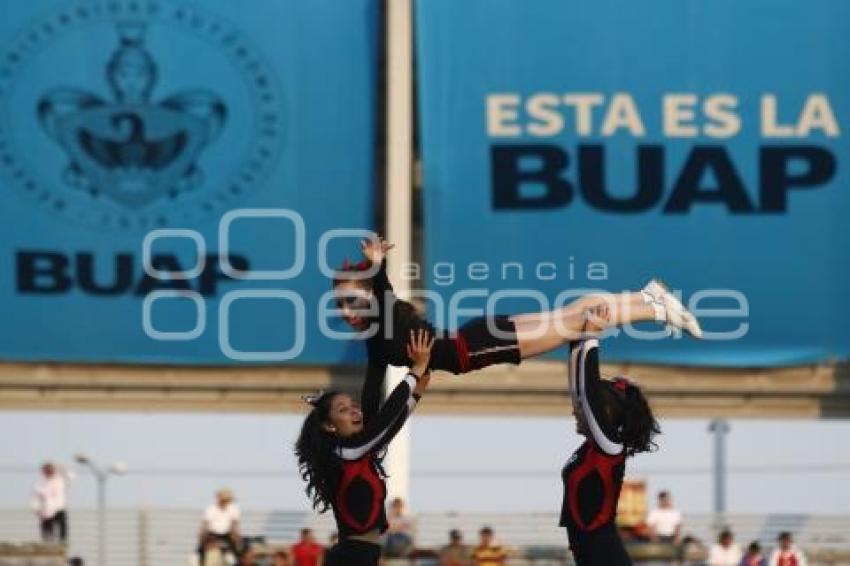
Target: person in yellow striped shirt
(489, 552)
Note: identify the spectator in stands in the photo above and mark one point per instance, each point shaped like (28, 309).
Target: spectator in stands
(787, 554)
(281, 558)
(248, 558)
(49, 503)
(308, 552)
(754, 556)
(665, 521)
(221, 524)
(399, 541)
(488, 552)
(210, 552)
(725, 552)
(455, 553)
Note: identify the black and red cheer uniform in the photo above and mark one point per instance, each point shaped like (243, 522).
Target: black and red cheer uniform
(359, 488)
(593, 476)
(480, 342)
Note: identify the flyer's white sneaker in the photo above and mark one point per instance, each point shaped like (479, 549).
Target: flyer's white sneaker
(674, 312)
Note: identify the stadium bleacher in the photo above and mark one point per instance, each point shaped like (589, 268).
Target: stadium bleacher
(167, 536)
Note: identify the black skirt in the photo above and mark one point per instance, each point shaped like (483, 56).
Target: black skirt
(601, 547)
(352, 552)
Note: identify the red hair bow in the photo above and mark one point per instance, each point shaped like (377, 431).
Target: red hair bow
(360, 266)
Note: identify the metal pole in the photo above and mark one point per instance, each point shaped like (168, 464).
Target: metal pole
(399, 199)
(720, 428)
(101, 517)
(144, 534)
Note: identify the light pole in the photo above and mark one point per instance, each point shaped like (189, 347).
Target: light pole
(101, 475)
(719, 428)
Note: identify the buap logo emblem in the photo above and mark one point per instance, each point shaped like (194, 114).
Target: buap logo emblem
(132, 114)
(131, 149)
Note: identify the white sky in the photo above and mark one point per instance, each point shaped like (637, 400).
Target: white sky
(459, 463)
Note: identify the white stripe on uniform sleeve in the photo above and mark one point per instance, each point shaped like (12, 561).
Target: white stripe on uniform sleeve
(602, 441)
(360, 451)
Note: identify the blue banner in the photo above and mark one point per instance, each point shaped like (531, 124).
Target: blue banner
(168, 170)
(593, 145)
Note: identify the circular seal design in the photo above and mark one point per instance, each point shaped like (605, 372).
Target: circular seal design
(127, 115)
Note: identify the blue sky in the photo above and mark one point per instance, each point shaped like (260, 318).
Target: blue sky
(506, 464)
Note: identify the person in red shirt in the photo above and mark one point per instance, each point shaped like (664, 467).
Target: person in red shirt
(787, 554)
(308, 552)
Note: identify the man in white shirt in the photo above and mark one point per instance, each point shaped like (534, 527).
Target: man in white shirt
(725, 552)
(787, 554)
(665, 521)
(221, 524)
(49, 502)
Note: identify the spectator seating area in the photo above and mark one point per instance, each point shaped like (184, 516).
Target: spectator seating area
(168, 536)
